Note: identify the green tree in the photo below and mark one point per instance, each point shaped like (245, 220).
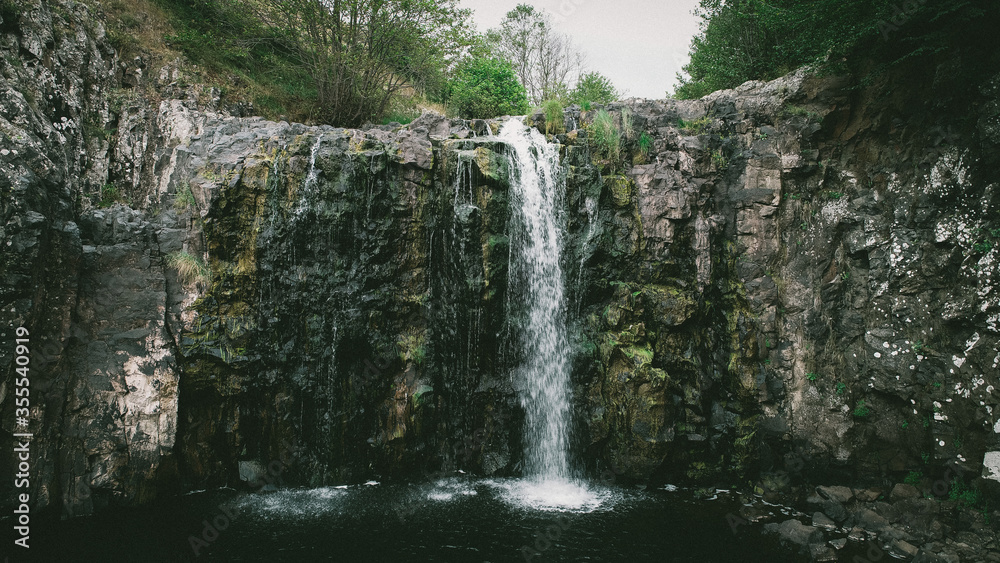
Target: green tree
(487, 87)
(595, 88)
(744, 40)
(362, 53)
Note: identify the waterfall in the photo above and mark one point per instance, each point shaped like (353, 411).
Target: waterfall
(309, 184)
(537, 191)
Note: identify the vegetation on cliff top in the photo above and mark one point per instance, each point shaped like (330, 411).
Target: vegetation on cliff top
(743, 40)
(356, 61)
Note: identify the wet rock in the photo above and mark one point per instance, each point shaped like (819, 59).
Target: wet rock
(903, 491)
(823, 522)
(820, 552)
(794, 532)
(842, 495)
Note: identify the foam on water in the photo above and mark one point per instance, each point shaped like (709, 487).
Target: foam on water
(554, 494)
(294, 503)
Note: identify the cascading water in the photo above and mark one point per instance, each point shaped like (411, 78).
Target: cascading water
(537, 311)
(536, 247)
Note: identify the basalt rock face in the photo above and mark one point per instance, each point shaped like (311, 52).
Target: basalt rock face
(786, 276)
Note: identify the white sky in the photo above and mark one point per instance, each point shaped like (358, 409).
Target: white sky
(639, 44)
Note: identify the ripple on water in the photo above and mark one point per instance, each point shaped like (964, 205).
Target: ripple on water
(447, 489)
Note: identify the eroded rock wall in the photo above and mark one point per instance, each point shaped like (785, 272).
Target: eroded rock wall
(790, 269)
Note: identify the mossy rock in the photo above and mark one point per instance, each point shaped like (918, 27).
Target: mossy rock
(670, 306)
(492, 166)
(622, 190)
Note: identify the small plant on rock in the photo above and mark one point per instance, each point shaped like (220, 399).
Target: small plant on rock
(697, 126)
(553, 110)
(861, 410)
(184, 199)
(109, 196)
(190, 268)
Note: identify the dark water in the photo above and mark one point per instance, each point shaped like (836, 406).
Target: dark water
(456, 520)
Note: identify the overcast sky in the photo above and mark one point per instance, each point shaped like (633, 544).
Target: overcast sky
(639, 44)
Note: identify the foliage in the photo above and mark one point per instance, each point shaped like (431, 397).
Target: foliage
(553, 110)
(362, 53)
(487, 87)
(110, 195)
(606, 136)
(698, 126)
(341, 61)
(593, 88)
(861, 410)
(742, 40)
(8, 15)
(965, 495)
(545, 62)
(914, 478)
(812, 376)
(190, 269)
(645, 145)
(184, 199)
(719, 159)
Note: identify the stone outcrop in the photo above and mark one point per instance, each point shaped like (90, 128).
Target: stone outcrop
(789, 282)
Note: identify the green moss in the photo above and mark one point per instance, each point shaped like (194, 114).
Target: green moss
(423, 395)
(497, 240)
(491, 165)
(639, 354)
(696, 127)
(622, 190)
(412, 348)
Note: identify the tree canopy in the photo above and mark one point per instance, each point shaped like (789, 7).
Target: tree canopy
(546, 62)
(360, 53)
(593, 88)
(487, 87)
(744, 40)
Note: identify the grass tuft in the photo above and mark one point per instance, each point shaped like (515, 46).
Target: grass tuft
(190, 268)
(607, 137)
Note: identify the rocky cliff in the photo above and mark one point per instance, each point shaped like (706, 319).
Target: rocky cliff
(795, 275)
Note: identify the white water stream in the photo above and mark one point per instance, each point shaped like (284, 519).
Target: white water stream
(537, 191)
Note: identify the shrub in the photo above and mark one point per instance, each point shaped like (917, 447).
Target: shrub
(963, 494)
(487, 87)
(554, 122)
(607, 138)
(593, 88)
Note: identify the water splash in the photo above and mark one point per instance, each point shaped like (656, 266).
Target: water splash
(537, 191)
(313, 174)
(312, 177)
